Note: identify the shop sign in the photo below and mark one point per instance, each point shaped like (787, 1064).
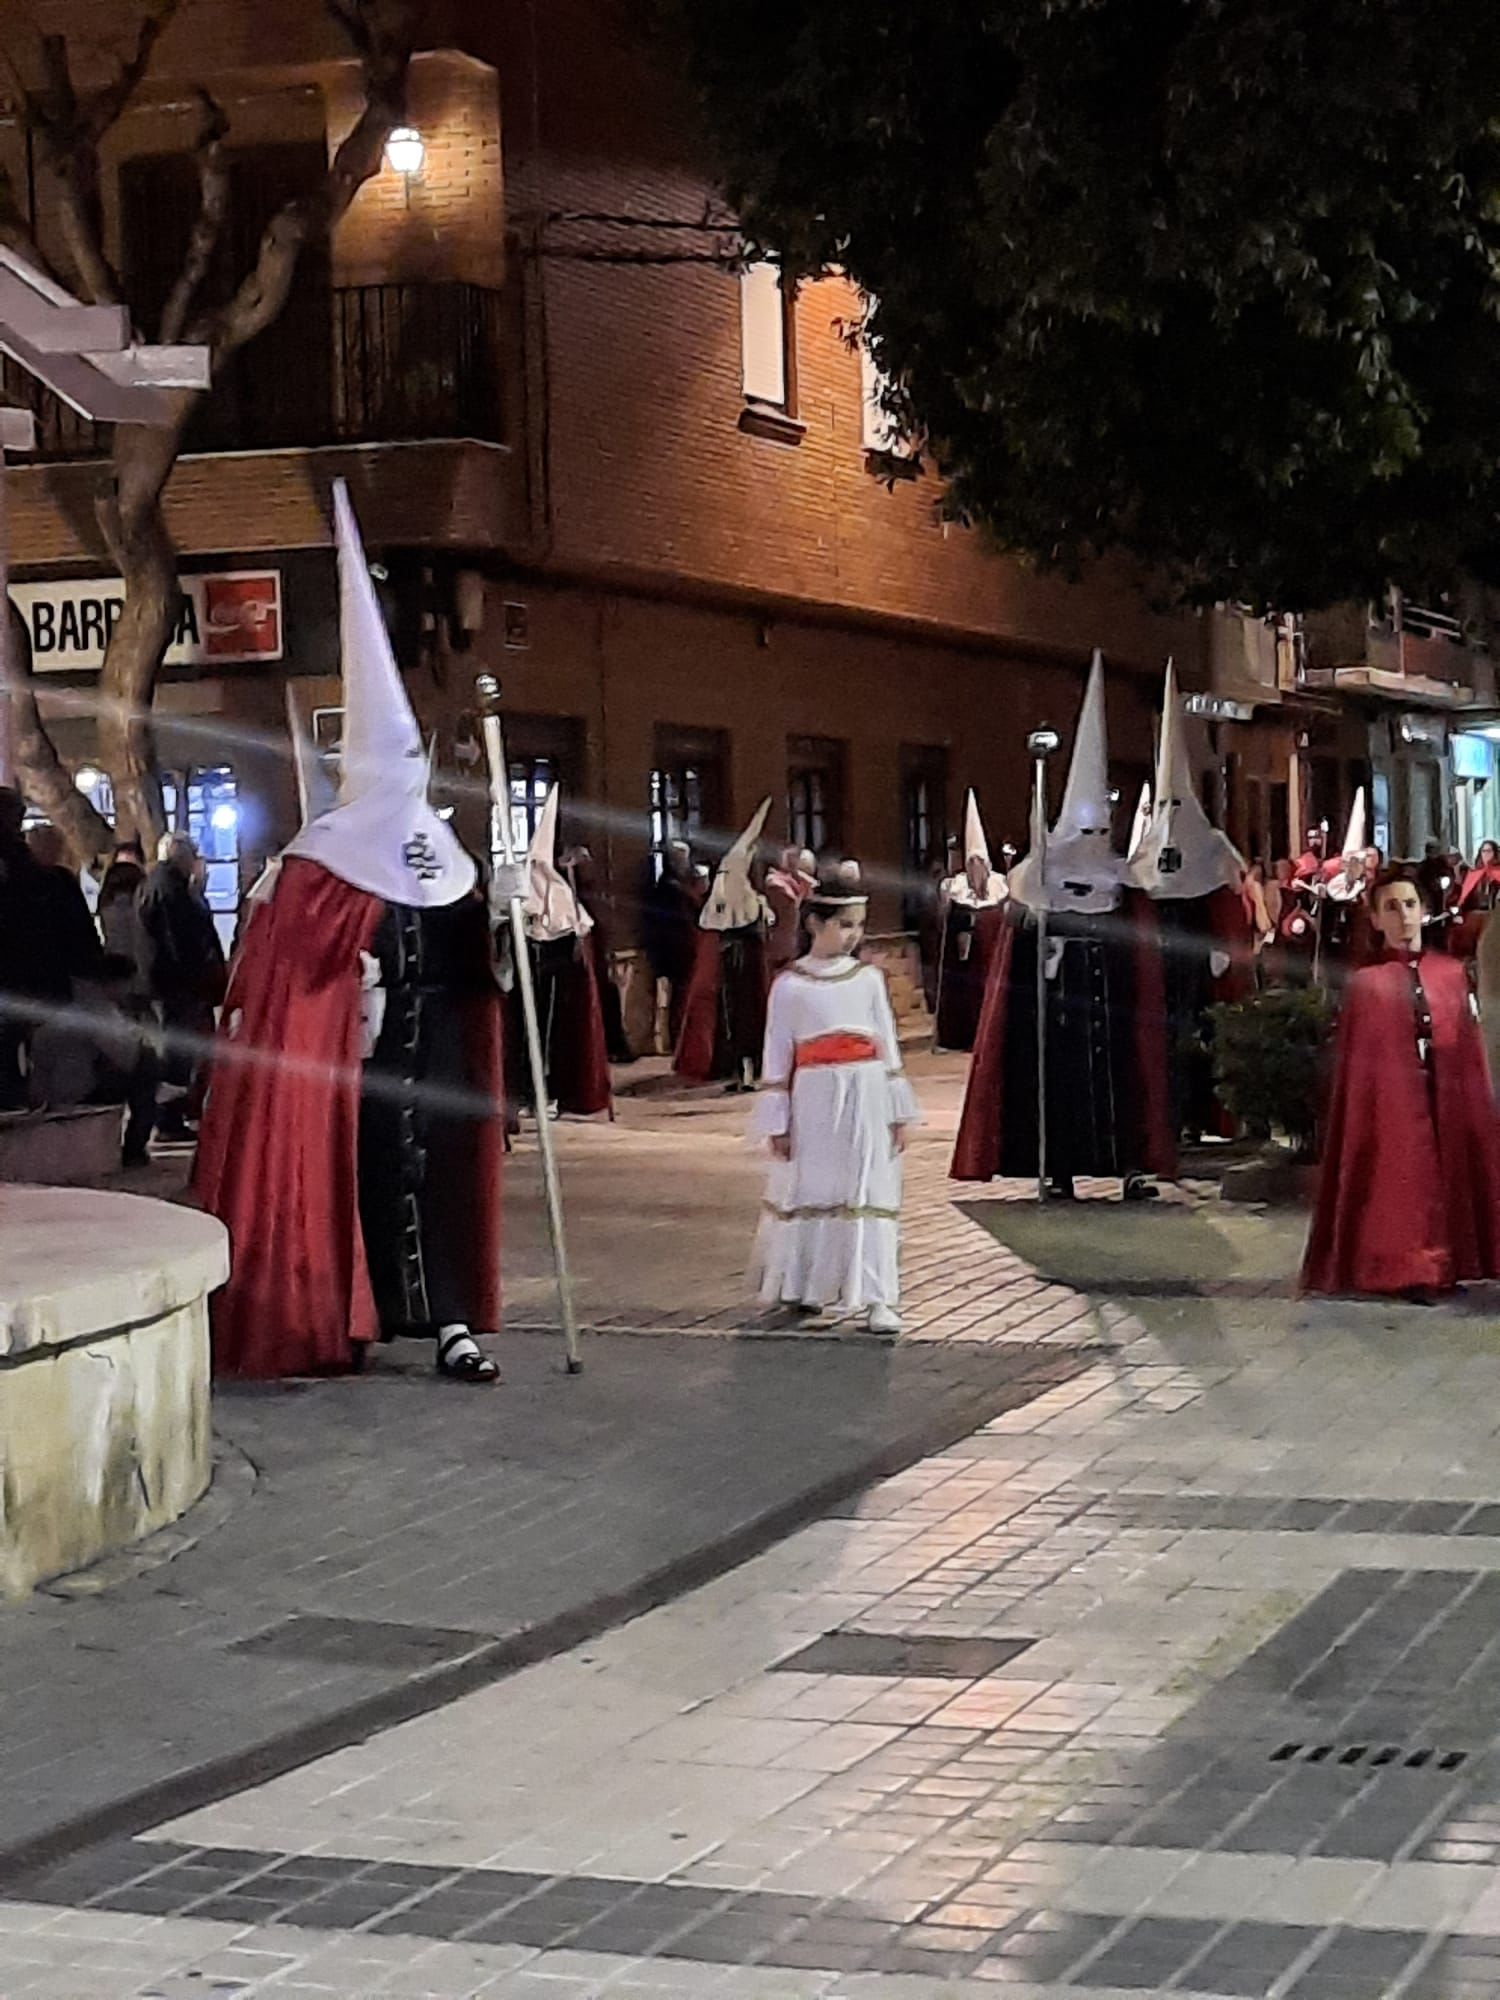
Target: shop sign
(1219, 708)
(227, 618)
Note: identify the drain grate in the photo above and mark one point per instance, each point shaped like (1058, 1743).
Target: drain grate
(904, 1656)
(363, 1642)
(1371, 1756)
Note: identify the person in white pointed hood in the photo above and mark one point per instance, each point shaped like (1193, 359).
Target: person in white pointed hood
(569, 1016)
(1195, 877)
(1107, 1107)
(724, 1019)
(1078, 868)
(1341, 925)
(973, 923)
(361, 1199)
(1141, 824)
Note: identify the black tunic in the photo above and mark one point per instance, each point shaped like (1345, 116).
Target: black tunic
(1095, 1116)
(413, 1114)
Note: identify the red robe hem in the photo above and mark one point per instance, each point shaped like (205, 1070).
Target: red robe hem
(278, 1150)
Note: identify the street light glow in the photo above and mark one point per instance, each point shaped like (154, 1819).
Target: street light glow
(405, 150)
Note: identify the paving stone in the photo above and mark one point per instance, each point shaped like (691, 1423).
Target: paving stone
(388, 1503)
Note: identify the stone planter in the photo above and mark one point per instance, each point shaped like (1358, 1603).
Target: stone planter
(104, 1373)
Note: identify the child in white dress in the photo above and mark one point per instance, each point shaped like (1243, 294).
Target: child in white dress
(835, 1106)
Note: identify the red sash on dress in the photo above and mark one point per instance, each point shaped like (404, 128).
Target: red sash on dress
(840, 1045)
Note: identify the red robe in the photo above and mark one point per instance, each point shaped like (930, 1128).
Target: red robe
(702, 1051)
(571, 1019)
(1480, 892)
(1409, 1192)
(977, 1154)
(278, 1148)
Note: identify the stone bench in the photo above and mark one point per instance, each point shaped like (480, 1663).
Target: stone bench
(60, 1148)
(104, 1373)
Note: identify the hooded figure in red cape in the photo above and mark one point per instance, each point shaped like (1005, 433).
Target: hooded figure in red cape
(1193, 876)
(1477, 898)
(973, 905)
(1409, 1190)
(291, 1106)
(724, 1020)
(1107, 1099)
(570, 1015)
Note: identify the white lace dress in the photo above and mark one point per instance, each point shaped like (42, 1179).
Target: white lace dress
(830, 1234)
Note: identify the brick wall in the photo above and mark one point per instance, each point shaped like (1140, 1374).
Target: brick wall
(650, 472)
(622, 664)
(448, 495)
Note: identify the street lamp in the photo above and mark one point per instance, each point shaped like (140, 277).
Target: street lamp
(1040, 745)
(405, 154)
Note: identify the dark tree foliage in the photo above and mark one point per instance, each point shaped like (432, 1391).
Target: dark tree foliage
(1212, 282)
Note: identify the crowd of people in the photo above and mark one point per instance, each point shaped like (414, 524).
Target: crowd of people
(355, 1073)
(113, 1005)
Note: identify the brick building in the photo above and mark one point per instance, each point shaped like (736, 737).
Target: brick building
(651, 492)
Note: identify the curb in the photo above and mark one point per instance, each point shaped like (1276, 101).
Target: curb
(497, 1659)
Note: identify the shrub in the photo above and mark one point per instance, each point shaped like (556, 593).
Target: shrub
(1268, 1061)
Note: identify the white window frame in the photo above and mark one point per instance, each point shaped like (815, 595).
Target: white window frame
(766, 363)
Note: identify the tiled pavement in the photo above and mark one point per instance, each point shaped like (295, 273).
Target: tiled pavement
(1180, 1678)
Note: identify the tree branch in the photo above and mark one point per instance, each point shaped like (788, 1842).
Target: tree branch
(16, 232)
(381, 33)
(105, 107)
(213, 205)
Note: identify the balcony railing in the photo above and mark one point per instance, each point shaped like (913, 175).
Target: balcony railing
(358, 364)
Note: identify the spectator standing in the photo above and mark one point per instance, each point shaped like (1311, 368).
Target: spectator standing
(187, 965)
(47, 940)
(669, 927)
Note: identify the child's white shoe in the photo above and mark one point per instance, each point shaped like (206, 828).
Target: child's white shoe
(885, 1320)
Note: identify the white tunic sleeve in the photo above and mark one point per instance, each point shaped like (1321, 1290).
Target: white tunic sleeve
(905, 1109)
(772, 1114)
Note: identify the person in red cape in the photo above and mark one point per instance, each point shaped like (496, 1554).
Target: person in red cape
(724, 1021)
(279, 1142)
(1107, 1104)
(1196, 880)
(1409, 1187)
(287, 1125)
(570, 1015)
(1478, 895)
(788, 887)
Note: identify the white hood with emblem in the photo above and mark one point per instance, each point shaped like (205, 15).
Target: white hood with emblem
(1082, 871)
(382, 836)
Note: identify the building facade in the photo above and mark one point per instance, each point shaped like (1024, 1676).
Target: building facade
(652, 492)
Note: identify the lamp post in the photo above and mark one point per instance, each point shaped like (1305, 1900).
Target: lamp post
(513, 887)
(1040, 745)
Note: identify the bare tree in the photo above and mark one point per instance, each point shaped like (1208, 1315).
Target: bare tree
(68, 126)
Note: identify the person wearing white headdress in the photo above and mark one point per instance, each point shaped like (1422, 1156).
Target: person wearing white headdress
(1106, 1095)
(788, 886)
(973, 924)
(1194, 876)
(724, 1019)
(834, 1108)
(314, 1161)
(569, 1016)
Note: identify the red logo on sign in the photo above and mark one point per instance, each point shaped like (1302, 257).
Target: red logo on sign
(242, 617)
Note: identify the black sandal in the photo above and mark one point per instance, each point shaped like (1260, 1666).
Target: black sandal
(467, 1364)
